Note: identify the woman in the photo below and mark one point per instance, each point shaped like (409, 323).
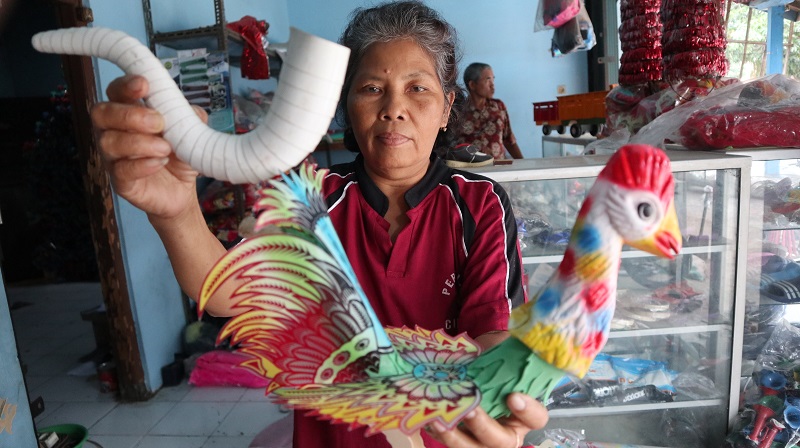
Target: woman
(393, 207)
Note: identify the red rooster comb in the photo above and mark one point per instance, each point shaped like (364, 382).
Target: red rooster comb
(641, 166)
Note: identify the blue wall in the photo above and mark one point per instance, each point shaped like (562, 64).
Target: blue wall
(155, 296)
(499, 34)
(17, 432)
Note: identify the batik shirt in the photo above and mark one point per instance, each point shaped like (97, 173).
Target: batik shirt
(488, 129)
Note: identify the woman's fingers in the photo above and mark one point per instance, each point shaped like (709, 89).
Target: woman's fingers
(527, 411)
(121, 144)
(127, 117)
(127, 171)
(480, 430)
(200, 113)
(127, 89)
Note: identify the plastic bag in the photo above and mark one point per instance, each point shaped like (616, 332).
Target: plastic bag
(610, 144)
(762, 112)
(577, 34)
(555, 13)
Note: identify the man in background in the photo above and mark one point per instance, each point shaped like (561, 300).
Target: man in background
(486, 124)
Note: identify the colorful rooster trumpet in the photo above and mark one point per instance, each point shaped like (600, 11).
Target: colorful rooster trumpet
(307, 325)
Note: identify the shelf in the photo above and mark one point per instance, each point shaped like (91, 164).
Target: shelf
(556, 258)
(779, 228)
(766, 301)
(208, 37)
(203, 37)
(628, 408)
(216, 37)
(669, 331)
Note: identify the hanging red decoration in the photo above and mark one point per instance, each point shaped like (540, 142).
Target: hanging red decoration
(255, 63)
(640, 36)
(693, 41)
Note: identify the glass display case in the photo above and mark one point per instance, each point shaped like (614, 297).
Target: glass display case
(560, 146)
(772, 290)
(664, 378)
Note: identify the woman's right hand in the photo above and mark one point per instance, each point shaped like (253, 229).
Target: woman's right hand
(143, 168)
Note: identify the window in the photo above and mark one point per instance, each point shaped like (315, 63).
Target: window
(746, 31)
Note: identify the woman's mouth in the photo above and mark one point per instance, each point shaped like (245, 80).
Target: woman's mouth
(392, 139)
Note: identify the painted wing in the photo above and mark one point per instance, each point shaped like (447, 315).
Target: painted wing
(437, 388)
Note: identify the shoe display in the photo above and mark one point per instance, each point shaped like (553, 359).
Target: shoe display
(465, 156)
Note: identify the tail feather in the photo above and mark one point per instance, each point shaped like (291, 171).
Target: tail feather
(302, 315)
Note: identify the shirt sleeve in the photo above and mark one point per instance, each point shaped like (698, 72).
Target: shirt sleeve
(491, 282)
(508, 135)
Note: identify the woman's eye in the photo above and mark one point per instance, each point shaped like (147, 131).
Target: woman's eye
(418, 89)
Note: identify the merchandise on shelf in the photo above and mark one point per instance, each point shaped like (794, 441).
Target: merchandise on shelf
(204, 79)
(760, 113)
(771, 408)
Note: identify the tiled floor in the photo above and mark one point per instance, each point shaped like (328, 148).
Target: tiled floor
(52, 337)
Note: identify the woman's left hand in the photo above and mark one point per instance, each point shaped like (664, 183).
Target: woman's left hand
(480, 430)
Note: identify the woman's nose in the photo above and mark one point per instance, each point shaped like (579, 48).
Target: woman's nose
(393, 107)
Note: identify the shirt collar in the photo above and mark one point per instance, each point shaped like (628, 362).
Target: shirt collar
(437, 172)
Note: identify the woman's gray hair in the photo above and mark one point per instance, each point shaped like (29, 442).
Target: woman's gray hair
(413, 20)
(473, 72)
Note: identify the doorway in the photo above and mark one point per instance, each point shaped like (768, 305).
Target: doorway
(76, 168)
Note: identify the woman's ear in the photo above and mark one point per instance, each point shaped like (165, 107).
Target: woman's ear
(451, 97)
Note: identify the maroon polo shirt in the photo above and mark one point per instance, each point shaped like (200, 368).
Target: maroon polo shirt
(456, 265)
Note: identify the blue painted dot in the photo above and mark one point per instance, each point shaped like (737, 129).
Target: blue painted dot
(603, 318)
(547, 301)
(589, 239)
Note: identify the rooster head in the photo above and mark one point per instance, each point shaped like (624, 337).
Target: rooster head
(641, 205)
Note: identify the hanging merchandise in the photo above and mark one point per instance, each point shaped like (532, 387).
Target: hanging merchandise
(693, 42)
(555, 13)
(577, 34)
(640, 37)
(255, 63)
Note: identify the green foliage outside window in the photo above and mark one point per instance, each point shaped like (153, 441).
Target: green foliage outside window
(746, 49)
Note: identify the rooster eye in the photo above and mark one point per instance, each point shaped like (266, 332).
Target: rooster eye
(645, 211)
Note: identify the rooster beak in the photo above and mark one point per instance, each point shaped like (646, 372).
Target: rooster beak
(666, 241)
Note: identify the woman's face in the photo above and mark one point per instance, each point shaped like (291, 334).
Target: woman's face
(396, 107)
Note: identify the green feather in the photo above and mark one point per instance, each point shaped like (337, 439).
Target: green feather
(511, 367)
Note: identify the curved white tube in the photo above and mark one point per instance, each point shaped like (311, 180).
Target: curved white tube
(302, 109)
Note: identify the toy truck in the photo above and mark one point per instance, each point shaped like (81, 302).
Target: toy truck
(584, 112)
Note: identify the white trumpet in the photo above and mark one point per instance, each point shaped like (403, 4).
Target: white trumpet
(303, 107)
